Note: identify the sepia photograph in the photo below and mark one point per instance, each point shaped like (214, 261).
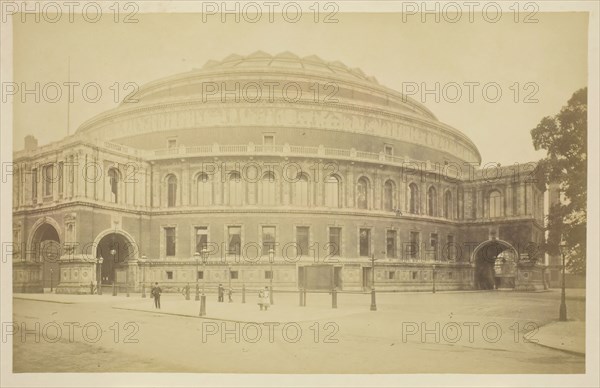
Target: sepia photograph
(309, 193)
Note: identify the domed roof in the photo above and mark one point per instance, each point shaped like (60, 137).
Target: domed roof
(289, 61)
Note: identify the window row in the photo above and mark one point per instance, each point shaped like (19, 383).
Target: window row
(413, 248)
(235, 190)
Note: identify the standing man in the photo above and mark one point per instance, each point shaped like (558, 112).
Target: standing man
(221, 293)
(156, 291)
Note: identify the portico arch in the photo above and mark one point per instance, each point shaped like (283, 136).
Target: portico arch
(114, 247)
(494, 264)
(44, 247)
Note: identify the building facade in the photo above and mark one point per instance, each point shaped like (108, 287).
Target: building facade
(279, 170)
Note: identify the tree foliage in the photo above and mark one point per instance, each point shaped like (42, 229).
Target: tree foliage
(564, 137)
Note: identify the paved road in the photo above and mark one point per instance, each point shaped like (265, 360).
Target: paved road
(484, 332)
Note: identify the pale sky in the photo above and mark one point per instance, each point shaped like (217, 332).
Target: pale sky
(552, 54)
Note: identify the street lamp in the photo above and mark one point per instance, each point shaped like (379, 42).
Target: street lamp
(373, 301)
(271, 259)
(113, 252)
(51, 279)
(197, 257)
(562, 315)
(433, 277)
(99, 261)
(203, 297)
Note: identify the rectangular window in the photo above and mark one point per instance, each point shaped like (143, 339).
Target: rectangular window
(515, 200)
(200, 275)
(170, 275)
(60, 178)
(302, 240)
(201, 238)
(170, 243)
(34, 185)
(335, 241)
(234, 240)
(268, 275)
(233, 275)
(364, 242)
(389, 150)
(390, 244)
(450, 275)
(413, 245)
(433, 242)
(172, 143)
(48, 180)
(450, 248)
(391, 275)
(268, 239)
(268, 140)
(414, 275)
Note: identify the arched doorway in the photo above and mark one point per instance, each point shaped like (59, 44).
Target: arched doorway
(495, 265)
(47, 251)
(115, 249)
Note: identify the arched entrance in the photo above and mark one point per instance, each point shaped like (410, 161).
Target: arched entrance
(495, 265)
(47, 251)
(115, 249)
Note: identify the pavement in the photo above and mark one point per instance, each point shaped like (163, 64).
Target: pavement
(354, 309)
(563, 336)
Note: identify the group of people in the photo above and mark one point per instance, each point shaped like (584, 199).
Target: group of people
(221, 294)
(264, 296)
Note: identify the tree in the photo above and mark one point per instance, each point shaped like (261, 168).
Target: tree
(564, 137)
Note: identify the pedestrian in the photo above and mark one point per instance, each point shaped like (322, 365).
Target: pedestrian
(266, 298)
(156, 291)
(230, 294)
(260, 299)
(221, 293)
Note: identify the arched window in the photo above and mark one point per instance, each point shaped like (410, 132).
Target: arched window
(388, 196)
(362, 193)
(268, 189)
(171, 190)
(332, 191)
(413, 198)
(496, 204)
(431, 201)
(113, 183)
(204, 188)
(235, 189)
(448, 204)
(301, 190)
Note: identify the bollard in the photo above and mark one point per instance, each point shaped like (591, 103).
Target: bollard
(187, 292)
(197, 291)
(100, 288)
(373, 303)
(143, 290)
(334, 299)
(114, 289)
(203, 305)
(243, 293)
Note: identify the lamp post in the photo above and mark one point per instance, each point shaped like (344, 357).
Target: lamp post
(51, 279)
(99, 274)
(373, 301)
(562, 315)
(203, 297)
(197, 257)
(433, 277)
(271, 259)
(113, 253)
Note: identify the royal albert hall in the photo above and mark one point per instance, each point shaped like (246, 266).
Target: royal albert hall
(274, 170)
